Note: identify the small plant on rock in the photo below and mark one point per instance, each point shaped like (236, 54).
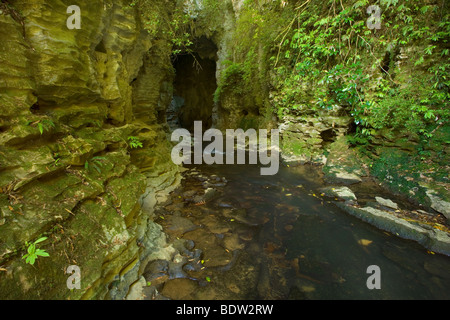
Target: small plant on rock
(45, 125)
(42, 125)
(33, 252)
(134, 142)
(95, 162)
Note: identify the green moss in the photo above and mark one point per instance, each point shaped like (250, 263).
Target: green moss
(249, 122)
(230, 81)
(296, 147)
(401, 173)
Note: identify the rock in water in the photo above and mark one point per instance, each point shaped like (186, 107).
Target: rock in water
(439, 204)
(387, 203)
(344, 193)
(336, 175)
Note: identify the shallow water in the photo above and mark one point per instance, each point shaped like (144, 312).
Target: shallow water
(276, 237)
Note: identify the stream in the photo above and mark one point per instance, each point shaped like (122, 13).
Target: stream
(240, 235)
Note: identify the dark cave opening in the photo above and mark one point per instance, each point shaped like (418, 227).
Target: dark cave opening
(328, 136)
(194, 87)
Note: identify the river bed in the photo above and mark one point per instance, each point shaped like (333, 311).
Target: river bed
(240, 235)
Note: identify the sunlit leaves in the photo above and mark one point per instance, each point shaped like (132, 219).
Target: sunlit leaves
(33, 253)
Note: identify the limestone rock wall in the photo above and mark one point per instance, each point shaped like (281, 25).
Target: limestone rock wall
(69, 100)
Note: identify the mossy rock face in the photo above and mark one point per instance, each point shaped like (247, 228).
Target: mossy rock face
(306, 134)
(16, 78)
(80, 115)
(92, 221)
(343, 164)
(75, 152)
(77, 181)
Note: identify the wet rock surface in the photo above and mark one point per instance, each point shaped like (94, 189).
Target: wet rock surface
(245, 245)
(209, 233)
(217, 251)
(344, 193)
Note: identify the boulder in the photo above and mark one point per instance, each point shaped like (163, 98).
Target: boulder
(439, 204)
(431, 238)
(343, 165)
(137, 290)
(340, 192)
(387, 203)
(341, 176)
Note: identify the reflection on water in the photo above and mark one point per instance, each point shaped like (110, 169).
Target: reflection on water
(274, 237)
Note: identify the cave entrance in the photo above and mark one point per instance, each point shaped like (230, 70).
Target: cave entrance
(194, 86)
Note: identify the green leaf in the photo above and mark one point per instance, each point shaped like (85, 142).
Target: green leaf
(40, 240)
(99, 163)
(42, 253)
(424, 9)
(31, 249)
(419, 61)
(41, 128)
(429, 114)
(97, 168)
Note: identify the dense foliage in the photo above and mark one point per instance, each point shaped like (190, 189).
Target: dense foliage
(393, 81)
(346, 63)
(303, 57)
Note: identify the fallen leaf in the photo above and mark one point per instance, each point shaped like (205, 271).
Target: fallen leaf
(308, 288)
(364, 242)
